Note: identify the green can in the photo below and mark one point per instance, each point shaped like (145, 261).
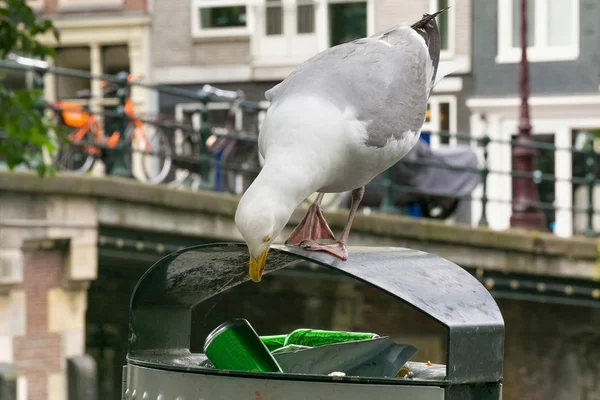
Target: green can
(317, 337)
(234, 345)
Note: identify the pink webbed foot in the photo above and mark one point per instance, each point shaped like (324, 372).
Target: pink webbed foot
(337, 249)
(312, 227)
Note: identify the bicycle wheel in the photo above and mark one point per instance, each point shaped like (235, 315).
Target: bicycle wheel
(244, 157)
(156, 155)
(70, 155)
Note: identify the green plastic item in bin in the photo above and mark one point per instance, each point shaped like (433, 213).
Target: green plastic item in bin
(317, 337)
(234, 345)
(273, 342)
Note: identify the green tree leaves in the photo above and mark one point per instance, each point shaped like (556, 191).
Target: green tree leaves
(24, 131)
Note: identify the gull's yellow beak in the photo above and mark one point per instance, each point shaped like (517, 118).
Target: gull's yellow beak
(257, 266)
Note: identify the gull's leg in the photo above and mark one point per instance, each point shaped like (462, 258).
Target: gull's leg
(312, 227)
(338, 248)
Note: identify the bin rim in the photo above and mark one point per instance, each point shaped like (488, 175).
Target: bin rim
(141, 363)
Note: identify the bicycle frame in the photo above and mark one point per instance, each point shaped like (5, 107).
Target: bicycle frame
(85, 121)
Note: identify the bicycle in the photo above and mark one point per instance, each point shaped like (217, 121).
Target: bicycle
(190, 143)
(87, 141)
(237, 151)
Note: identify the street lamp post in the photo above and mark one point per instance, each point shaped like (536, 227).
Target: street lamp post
(525, 213)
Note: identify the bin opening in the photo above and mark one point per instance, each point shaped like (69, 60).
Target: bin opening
(180, 301)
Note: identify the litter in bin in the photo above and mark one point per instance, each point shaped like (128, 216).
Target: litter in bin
(235, 345)
(379, 357)
(290, 348)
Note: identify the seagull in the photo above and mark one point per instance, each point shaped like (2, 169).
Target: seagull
(336, 122)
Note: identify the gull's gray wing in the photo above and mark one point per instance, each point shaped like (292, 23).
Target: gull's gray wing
(386, 82)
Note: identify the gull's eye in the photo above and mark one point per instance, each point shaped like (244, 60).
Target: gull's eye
(267, 239)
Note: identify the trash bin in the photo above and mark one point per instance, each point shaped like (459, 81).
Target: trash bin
(160, 365)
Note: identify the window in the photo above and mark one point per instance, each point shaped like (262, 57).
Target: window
(274, 18)
(445, 122)
(445, 22)
(115, 59)
(442, 21)
(347, 22)
(219, 18)
(75, 58)
(222, 17)
(440, 125)
(306, 17)
(552, 30)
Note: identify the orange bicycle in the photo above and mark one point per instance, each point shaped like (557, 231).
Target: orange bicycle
(87, 140)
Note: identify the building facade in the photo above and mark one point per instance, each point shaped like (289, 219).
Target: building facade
(100, 37)
(564, 67)
(253, 45)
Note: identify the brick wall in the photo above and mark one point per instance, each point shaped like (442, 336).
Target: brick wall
(463, 27)
(38, 352)
(171, 33)
(392, 12)
(173, 44)
(222, 53)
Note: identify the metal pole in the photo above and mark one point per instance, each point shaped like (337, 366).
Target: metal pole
(40, 106)
(484, 141)
(116, 163)
(525, 212)
(590, 177)
(204, 163)
(387, 202)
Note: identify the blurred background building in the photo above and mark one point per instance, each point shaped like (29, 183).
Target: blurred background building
(564, 66)
(253, 45)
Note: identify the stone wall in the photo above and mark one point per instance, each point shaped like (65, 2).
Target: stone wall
(552, 351)
(48, 255)
(43, 321)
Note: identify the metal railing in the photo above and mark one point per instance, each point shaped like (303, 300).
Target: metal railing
(222, 156)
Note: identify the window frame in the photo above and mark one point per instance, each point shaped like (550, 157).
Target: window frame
(434, 124)
(199, 32)
(447, 54)
(370, 18)
(541, 52)
(86, 5)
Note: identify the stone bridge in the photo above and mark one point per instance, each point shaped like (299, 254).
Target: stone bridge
(72, 248)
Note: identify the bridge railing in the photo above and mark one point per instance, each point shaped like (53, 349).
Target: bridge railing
(191, 150)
